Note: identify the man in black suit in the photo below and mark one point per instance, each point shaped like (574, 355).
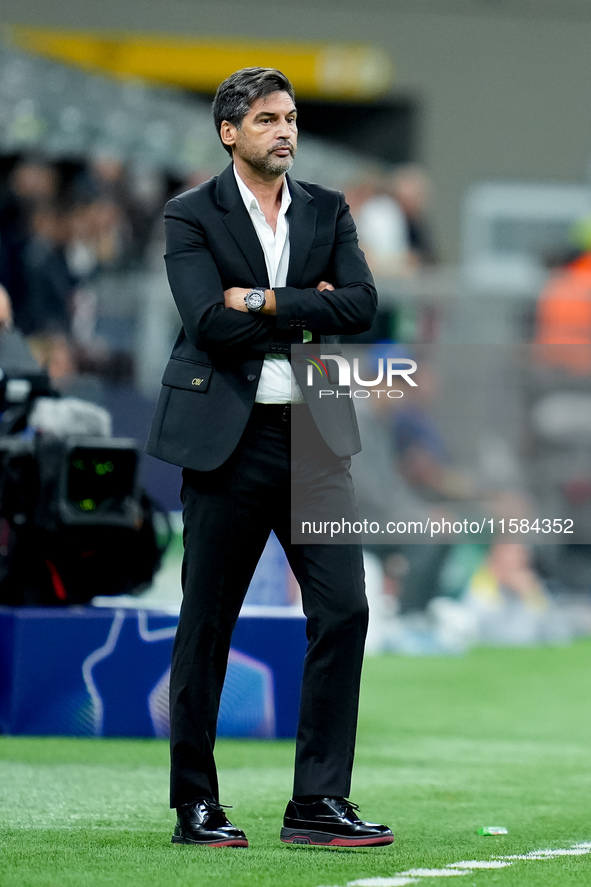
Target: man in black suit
(258, 262)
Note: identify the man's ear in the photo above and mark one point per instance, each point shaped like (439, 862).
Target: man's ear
(228, 133)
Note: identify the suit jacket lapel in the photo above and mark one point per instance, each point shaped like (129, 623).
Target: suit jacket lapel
(240, 226)
(302, 230)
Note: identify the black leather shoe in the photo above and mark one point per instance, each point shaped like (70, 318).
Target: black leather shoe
(331, 822)
(205, 823)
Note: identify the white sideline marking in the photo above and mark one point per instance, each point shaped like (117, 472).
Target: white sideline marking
(382, 882)
(68, 827)
(548, 854)
(479, 864)
(435, 873)
(574, 851)
(413, 876)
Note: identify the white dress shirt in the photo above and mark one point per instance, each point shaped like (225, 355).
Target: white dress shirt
(276, 384)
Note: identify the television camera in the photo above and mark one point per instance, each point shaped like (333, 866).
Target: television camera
(74, 521)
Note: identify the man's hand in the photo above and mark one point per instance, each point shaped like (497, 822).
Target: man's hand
(234, 298)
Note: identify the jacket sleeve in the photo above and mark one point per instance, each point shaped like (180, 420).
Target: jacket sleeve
(348, 309)
(198, 291)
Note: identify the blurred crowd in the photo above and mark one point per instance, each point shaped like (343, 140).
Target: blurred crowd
(441, 597)
(62, 225)
(65, 225)
(443, 594)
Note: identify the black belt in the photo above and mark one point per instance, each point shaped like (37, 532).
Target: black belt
(275, 412)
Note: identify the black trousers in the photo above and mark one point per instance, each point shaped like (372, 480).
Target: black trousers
(228, 515)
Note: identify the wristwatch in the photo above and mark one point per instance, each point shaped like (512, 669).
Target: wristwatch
(255, 300)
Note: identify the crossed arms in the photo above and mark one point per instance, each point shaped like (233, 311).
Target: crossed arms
(212, 306)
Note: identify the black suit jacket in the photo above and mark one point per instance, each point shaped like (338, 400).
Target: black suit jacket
(209, 384)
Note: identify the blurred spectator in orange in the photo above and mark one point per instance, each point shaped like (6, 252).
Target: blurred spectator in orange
(563, 316)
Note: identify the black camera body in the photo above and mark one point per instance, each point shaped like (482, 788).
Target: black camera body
(74, 521)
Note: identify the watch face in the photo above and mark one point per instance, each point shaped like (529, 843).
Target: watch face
(255, 300)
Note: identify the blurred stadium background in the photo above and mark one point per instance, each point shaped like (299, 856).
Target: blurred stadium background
(460, 132)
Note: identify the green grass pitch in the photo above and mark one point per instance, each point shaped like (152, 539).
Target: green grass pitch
(445, 745)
